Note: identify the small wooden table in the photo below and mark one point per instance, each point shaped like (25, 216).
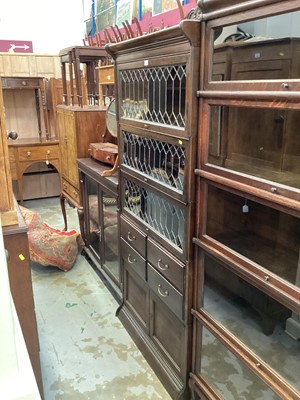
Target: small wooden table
(74, 56)
(38, 84)
(25, 152)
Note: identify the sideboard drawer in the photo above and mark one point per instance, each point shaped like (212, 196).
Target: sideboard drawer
(165, 291)
(166, 264)
(135, 237)
(71, 191)
(38, 153)
(133, 259)
(19, 83)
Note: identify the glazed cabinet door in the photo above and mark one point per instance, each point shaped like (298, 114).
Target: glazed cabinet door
(100, 208)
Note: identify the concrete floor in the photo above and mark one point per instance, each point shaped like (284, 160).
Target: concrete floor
(85, 351)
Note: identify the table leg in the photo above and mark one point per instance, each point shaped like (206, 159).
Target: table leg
(45, 111)
(20, 187)
(37, 102)
(78, 81)
(71, 79)
(64, 82)
(63, 209)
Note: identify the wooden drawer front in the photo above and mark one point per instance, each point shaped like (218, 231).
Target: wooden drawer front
(19, 83)
(165, 291)
(38, 153)
(166, 264)
(131, 258)
(106, 75)
(133, 236)
(71, 191)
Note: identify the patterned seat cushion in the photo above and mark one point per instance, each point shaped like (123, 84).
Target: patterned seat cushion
(49, 246)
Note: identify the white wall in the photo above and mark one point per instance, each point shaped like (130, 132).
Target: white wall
(50, 24)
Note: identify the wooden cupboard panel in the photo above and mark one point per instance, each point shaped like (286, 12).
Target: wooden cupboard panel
(47, 66)
(168, 332)
(78, 127)
(136, 296)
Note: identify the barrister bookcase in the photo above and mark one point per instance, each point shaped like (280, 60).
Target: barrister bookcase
(246, 279)
(157, 76)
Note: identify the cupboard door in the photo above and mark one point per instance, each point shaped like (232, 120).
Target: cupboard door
(62, 143)
(136, 296)
(167, 331)
(70, 132)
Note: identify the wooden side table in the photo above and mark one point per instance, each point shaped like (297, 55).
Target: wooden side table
(74, 56)
(38, 84)
(25, 152)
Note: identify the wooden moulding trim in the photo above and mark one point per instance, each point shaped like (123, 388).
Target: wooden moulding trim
(218, 8)
(200, 386)
(243, 353)
(273, 96)
(190, 29)
(8, 218)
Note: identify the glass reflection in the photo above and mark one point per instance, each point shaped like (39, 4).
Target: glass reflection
(265, 48)
(110, 234)
(256, 141)
(254, 318)
(227, 374)
(94, 218)
(262, 234)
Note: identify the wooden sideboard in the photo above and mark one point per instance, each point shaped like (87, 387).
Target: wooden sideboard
(25, 152)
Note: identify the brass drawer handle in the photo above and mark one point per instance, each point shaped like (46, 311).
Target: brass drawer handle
(48, 152)
(130, 237)
(75, 193)
(28, 154)
(162, 267)
(131, 259)
(163, 293)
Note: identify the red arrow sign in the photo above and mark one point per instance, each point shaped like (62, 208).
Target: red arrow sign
(16, 46)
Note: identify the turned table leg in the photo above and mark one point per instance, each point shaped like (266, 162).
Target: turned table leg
(63, 209)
